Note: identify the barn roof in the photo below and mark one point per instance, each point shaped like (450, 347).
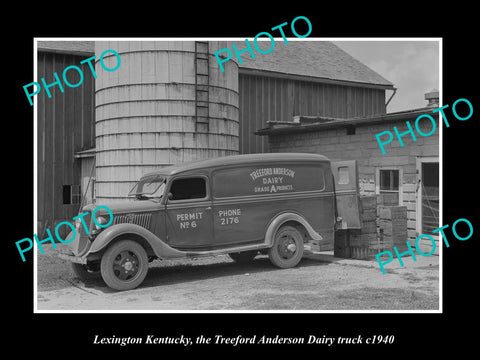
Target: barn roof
(310, 59)
(73, 47)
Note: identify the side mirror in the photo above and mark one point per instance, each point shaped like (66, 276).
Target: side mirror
(170, 196)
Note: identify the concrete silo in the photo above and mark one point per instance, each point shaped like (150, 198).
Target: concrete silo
(167, 103)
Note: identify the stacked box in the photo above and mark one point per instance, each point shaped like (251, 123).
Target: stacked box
(364, 242)
(341, 248)
(377, 234)
(387, 199)
(361, 253)
(392, 221)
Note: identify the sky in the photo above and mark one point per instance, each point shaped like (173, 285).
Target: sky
(412, 66)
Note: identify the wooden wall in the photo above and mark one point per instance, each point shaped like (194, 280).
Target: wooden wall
(65, 125)
(269, 98)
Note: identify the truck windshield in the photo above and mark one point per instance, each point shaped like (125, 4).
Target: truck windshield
(149, 187)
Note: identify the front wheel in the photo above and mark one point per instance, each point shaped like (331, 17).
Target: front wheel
(287, 249)
(124, 265)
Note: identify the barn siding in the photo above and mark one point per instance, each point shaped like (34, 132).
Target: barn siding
(269, 98)
(64, 126)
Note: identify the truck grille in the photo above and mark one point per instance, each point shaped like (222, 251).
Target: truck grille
(142, 219)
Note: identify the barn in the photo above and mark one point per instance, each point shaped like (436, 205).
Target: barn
(65, 134)
(308, 96)
(314, 78)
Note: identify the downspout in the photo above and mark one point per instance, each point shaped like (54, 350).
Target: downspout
(391, 97)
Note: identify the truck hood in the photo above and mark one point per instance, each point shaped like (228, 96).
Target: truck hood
(136, 212)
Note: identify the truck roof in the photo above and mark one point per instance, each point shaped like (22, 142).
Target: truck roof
(246, 159)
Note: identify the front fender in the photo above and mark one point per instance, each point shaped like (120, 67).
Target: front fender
(160, 248)
(282, 219)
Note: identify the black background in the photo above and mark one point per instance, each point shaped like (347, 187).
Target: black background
(60, 335)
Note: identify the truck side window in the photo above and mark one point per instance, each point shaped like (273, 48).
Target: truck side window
(343, 178)
(188, 188)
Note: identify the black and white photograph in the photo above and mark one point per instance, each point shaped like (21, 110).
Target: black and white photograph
(186, 181)
(209, 175)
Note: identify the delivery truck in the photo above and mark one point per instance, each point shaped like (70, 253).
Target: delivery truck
(278, 204)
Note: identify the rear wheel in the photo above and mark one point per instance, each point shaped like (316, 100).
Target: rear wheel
(124, 265)
(87, 272)
(287, 249)
(244, 256)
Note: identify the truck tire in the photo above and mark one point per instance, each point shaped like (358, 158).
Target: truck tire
(86, 272)
(287, 249)
(244, 256)
(124, 265)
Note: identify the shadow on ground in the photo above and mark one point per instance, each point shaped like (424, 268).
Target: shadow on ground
(191, 270)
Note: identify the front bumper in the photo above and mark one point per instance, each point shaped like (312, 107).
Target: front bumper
(72, 258)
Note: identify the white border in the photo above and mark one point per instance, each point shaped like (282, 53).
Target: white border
(35, 75)
(35, 177)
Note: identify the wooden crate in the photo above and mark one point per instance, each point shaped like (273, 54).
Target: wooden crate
(363, 240)
(362, 253)
(392, 212)
(387, 199)
(393, 228)
(392, 224)
(369, 214)
(368, 202)
(341, 246)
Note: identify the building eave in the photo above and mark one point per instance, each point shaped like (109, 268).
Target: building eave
(276, 74)
(73, 47)
(313, 123)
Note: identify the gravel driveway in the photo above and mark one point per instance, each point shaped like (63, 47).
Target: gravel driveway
(320, 282)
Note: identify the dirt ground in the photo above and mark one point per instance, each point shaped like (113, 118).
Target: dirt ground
(320, 282)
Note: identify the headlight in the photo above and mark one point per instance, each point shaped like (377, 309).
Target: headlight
(100, 220)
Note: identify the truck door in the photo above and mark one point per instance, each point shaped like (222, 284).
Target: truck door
(189, 213)
(347, 196)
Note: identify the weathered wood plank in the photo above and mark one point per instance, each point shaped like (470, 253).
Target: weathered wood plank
(41, 144)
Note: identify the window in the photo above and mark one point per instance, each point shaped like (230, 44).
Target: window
(343, 175)
(389, 185)
(71, 194)
(388, 180)
(188, 188)
(350, 130)
(148, 186)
